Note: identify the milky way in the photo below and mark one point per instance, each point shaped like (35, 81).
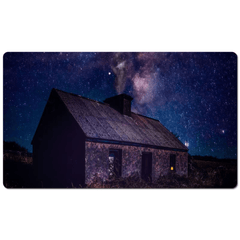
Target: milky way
(193, 94)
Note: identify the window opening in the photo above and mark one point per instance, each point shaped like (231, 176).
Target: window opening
(173, 162)
(115, 163)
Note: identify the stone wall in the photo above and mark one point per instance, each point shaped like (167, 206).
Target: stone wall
(96, 161)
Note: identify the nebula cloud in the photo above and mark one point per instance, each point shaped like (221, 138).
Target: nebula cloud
(140, 69)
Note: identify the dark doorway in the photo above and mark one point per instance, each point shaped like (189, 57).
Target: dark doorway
(115, 163)
(147, 166)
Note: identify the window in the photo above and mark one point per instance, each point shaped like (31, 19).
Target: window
(147, 166)
(173, 162)
(115, 163)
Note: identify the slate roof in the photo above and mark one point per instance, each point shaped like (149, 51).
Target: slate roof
(100, 121)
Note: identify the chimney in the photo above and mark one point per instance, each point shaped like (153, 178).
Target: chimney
(121, 103)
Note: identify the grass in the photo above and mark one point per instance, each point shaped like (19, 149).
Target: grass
(207, 173)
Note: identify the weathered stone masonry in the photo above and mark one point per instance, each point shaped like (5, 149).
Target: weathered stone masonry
(97, 164)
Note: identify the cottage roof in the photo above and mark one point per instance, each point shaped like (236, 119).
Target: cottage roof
(100, 121)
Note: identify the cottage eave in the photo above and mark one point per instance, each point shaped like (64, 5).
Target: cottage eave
(107, 141)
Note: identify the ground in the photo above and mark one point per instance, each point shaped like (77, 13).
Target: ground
(204, 172)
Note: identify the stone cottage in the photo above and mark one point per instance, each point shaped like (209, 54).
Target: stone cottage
(78, 138)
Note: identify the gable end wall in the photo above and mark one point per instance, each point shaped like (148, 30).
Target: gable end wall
(58, 147)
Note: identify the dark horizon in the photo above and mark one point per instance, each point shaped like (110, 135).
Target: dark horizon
(194, 95)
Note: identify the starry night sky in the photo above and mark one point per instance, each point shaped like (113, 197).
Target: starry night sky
(193, 94)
